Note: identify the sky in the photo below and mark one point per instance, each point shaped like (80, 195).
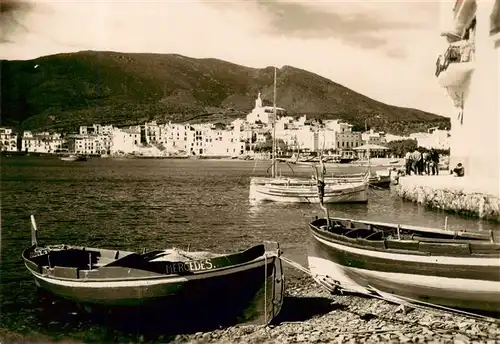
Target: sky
(386, 50)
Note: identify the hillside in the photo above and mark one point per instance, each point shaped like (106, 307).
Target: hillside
(67, 90)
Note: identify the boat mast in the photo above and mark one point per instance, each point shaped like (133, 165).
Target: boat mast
(274, 128)
(368, 152)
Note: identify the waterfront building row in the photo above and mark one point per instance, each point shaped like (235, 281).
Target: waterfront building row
(241, 136)
(207, 139)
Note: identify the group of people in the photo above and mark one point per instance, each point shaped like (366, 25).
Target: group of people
(420, 163)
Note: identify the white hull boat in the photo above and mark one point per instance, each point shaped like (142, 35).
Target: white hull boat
(295, 192)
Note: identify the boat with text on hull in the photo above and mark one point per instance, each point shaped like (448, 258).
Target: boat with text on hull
(244, 287)
(440, 267)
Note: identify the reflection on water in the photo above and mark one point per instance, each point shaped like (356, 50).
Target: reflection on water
(132, 204)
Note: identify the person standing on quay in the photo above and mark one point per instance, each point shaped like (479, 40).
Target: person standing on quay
(416, 158)
(408, 163)
(435, 161)
(426, 159)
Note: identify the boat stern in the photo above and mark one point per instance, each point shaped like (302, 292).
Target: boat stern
(326, 271)
(266, 301)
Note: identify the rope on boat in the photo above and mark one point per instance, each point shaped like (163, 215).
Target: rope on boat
(254, 166)
(429, 307)
(377, 187)
(374, 192)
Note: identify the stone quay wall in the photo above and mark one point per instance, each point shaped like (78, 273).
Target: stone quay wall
(454, 194)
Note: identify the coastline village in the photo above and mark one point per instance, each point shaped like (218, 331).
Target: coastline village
(239, 138)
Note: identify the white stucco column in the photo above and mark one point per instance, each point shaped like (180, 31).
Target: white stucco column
(459, 148)
(482, 107)
(495, 37)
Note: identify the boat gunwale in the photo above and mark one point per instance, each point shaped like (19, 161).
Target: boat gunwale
(356, 243)
(265, 257)
(298, 190)
(471, 235)
(310, 197)
(353, 242)
(168, 278)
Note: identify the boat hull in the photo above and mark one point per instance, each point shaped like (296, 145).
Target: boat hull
(334, 193)
(250, 292)
(74, 158)
(381, 181)
(462, 282)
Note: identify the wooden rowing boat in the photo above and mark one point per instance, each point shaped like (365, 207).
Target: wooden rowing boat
(246, 286)
(436, 266)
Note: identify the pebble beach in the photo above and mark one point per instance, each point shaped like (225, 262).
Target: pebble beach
(327, 318)
(311, 314)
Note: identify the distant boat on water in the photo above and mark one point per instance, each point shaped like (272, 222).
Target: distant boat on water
(407, 264)
(298, 191)
(74, 157)
(377, 179)
(303, 190)
(246, 285)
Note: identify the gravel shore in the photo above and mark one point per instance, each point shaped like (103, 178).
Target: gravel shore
(311, 314)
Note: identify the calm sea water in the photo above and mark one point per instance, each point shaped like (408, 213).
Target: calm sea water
(135, 204)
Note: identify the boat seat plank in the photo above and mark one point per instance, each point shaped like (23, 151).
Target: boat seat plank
(65, 272)
(485, 247)
(445, 248)
(376, 235)
(442, 240)
(336, 229)
(395, 244)
(109, 254)
(101, 261)
(371, 243)
(358, 233)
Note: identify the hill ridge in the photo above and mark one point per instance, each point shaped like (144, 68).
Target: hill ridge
(70, 89)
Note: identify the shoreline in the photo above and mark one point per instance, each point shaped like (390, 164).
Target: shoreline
(376, 162)
(348, 318)
(310, 314)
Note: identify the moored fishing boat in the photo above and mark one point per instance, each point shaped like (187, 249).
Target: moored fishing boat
(407, 263)
(377, 179)
(73, 157)
(246, 286)
(304, 190)
(299, 191)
